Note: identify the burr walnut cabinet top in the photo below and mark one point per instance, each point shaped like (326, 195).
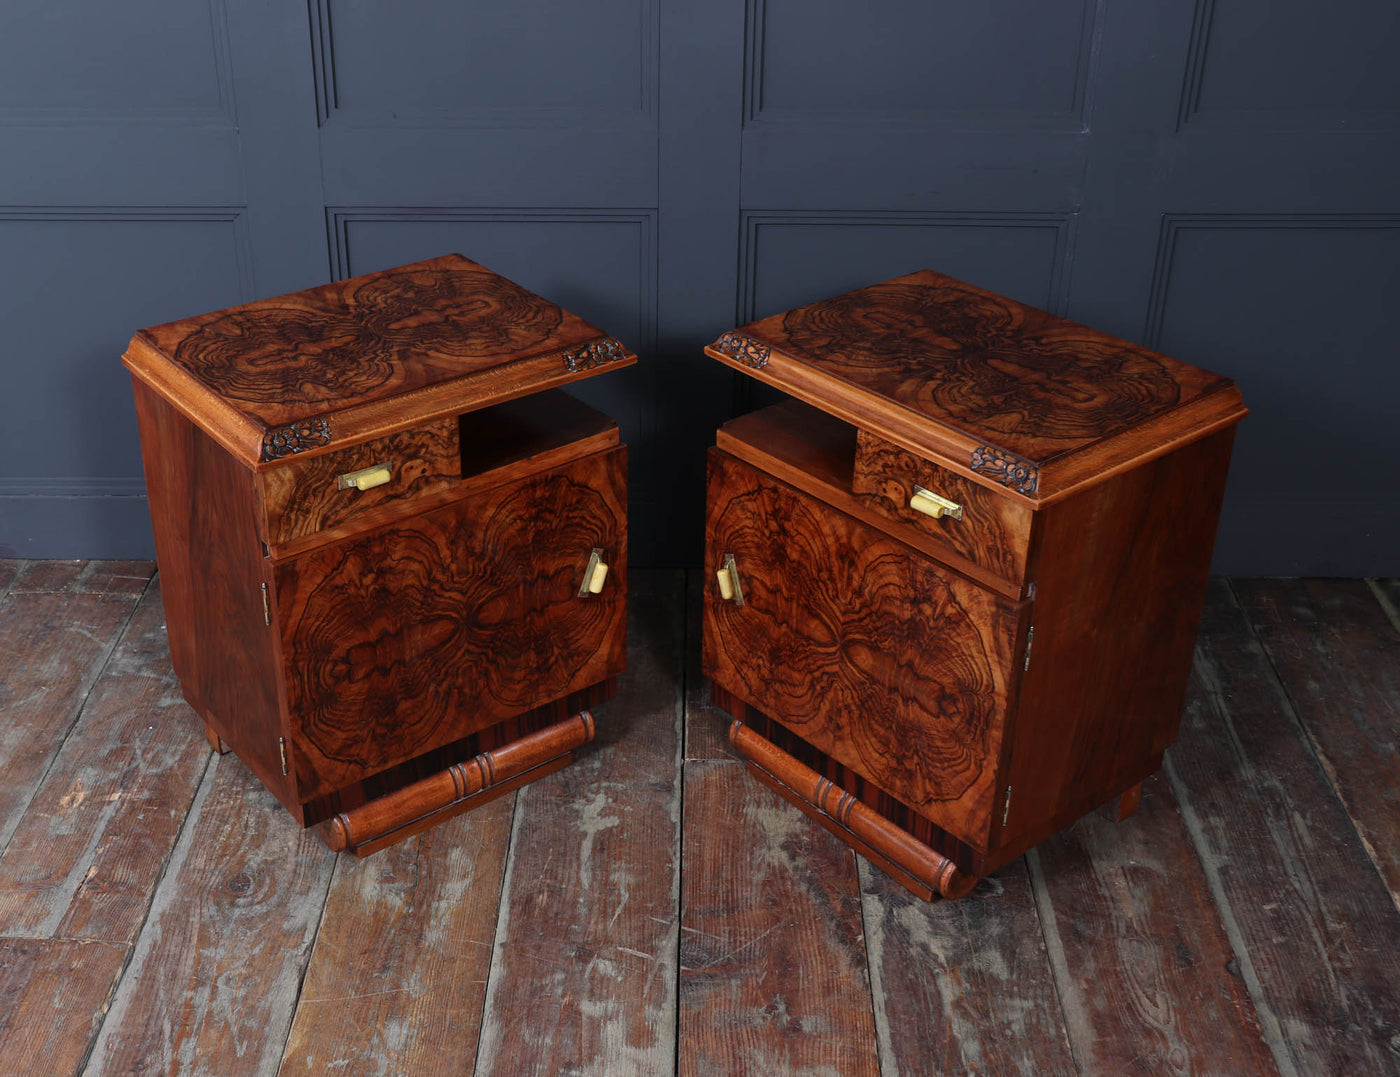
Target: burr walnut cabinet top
(314, 371)
(1007, 394)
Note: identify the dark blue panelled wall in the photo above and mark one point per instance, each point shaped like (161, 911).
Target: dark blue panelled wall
(1214, 178)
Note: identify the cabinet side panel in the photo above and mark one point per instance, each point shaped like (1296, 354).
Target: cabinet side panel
(203, 510)
(1120, 575)
(860, 645)
(167, 449)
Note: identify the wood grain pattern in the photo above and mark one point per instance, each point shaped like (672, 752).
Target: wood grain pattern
(393, 641)
(296, 356)
(970, 861)
(1120, 575)
(214, 978)
(461, 787)
(583, 979)
(398, 974)
(1084, 406)
(773, 963)
(815, 452)
(1010, 376)
(1142, 958)
(965, 986)
(302, 496)
(894, 850)
(841, 623)
(1311, 920)
(53, 993)
(204, 514)
(994, 531)
(85, 856)
(1338, 658)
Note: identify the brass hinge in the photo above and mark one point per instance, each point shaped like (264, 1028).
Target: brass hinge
(1030, 638)
(282, 751)
(1005, 809)
(267, 606)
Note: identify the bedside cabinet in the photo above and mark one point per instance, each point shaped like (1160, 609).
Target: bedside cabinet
(955, 579)
(393, 555)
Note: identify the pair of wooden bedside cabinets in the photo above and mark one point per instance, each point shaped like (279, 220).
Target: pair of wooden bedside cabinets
(953, 584)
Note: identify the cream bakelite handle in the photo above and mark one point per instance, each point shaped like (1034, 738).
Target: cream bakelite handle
(730, 589)
(594, 575)
(366, 478)
(935, 505)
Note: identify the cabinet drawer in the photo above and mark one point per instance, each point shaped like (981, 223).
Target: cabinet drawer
(305, 496)
(861, 645)
(423, 631)
(994, 529)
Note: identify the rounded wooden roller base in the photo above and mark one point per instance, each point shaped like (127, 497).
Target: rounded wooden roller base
(459, 788)
(923, 870)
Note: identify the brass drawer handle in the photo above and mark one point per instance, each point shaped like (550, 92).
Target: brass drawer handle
(594, 575)
(730, 589)
(367, 478)
(935, 505)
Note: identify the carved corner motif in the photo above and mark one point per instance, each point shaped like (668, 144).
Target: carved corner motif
(1021, 475)
(744, 348)
(594, 353)
(298, 437)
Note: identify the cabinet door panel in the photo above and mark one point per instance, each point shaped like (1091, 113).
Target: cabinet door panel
(432, 628)
(865, 648)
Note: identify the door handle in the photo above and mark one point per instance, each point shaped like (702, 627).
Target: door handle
(594, 575)
(730, 589)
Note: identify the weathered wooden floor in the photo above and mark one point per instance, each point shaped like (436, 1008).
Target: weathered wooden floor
(653, 910)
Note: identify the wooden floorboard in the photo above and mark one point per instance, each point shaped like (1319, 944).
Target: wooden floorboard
(55, 637)
(9, 569)
(583, 978)
(53, 994)
(400, 963)
(213, 983)
(85, 856)
(636, 914)
(963, 986)
(1311, 921)
(773, 964)
(1337, 656)
(1143, 962)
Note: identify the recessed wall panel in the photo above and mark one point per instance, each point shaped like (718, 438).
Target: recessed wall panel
(74, 286)
(910, 58)
(1294, 63)
(1301, 313)
(75, 61)
(796, 259)
(424, 61)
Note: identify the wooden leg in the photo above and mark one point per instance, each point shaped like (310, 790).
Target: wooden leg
(459, 788)
(923, 870)
(1124, 805)
(214, 740)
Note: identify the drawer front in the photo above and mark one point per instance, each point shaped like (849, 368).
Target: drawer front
(861, 645)
(423, 631)
(304, 496)
(994, 530)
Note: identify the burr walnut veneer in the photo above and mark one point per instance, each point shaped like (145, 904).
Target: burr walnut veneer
(393, 553)
(957, 576)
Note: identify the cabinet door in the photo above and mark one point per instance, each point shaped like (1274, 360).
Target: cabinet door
(426, 630)
(889, 663)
